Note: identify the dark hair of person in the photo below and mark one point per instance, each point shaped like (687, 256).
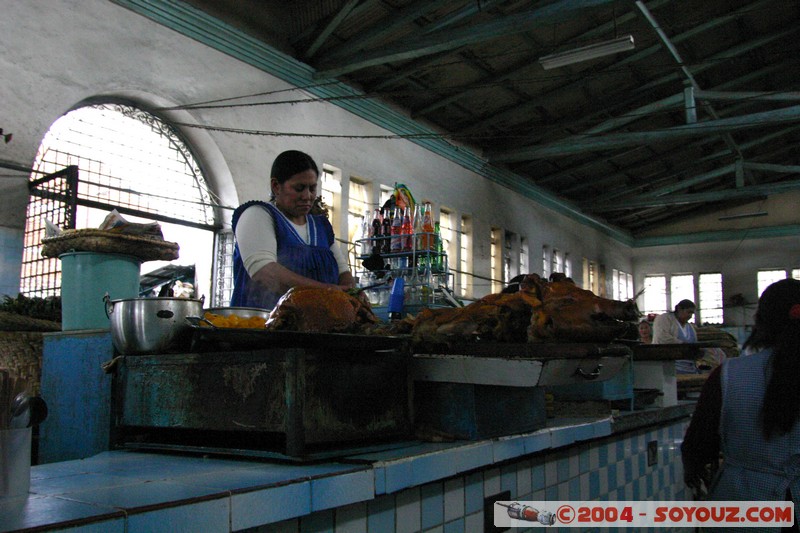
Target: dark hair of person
(291, 162)
(685, 304)
(778, 327)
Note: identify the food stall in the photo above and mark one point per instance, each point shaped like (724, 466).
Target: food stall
(422, 421)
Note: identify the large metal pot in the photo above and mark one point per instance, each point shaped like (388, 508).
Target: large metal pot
(151, 325)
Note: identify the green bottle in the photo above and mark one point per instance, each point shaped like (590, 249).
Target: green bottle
(438, 261)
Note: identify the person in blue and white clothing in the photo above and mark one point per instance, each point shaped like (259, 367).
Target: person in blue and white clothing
(280, 244)
(749, 409)
(675, 328)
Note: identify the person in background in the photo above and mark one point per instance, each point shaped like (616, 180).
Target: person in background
(280, 244)
(645, 332)
(749, 409)
(674, 328)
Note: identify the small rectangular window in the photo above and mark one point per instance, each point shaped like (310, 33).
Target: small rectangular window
(768, 277)
(709, 308)
(330, 189)
(545, 263)
(465, 263)
(655, 295)
(496, 259)
(510, 265)
(448, 236)
(523, 256)
(681, 287)
(629, 283)
(558, 266)
(358, 216)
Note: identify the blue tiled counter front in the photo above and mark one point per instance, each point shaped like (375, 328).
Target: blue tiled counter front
(418, 487)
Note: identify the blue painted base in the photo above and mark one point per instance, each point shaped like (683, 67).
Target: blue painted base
(78, 395)
(472, 412)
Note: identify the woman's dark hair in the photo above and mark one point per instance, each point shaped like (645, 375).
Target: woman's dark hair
(685, 304)
(291, 162)
(778, 327)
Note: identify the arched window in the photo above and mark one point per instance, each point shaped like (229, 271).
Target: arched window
(116, 156)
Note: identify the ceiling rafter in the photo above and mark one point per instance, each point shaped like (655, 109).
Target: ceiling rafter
(594, 143)
(334, 23)
(554, 93)
(454, 38)
(381, 30)
(749, 192)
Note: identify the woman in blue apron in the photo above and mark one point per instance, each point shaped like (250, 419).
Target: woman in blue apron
(280, 244)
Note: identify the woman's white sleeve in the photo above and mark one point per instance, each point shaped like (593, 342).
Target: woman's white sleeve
(255, 235)
(339, 255)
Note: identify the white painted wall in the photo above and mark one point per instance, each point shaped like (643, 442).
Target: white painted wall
(58, 54)
(738, 261)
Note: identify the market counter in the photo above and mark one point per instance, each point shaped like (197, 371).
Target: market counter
(411, 487)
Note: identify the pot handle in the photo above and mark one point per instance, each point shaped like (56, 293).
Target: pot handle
(109, 307)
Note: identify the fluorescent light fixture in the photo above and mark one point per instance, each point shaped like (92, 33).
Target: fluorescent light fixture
(744, 215)
(586, 53)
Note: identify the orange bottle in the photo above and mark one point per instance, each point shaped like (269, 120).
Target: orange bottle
(428, 241)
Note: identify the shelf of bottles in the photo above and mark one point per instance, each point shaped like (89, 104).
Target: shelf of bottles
(409, 247)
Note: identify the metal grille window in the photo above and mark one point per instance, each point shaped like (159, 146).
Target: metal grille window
(222, 281)
(466, 257)
(768, 277)
(124, 159)
(629, 284)
(621, 285)
(545, 263)
(655, 294)
(710, 305)
(567, 265)
(330, 188)
(681, 287)
(558, 265)
(446, 233)
(509, 268)
(496, 260)
(358, 218)
(523, 256)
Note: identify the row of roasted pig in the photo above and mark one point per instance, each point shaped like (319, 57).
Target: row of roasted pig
(534, 310)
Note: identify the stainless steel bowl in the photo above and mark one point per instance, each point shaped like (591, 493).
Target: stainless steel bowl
(151, 325)
(241, 312)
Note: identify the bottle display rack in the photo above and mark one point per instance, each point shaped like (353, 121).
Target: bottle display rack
(425, 271)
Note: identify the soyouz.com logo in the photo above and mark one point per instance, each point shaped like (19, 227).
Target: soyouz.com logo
(638, 514)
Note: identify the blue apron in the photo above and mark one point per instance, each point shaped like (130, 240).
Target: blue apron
(313, 260)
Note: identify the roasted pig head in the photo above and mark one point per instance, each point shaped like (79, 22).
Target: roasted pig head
(500, 317)
(321, 310)
(571, 313)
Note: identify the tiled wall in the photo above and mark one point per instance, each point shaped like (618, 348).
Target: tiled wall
(611, 468)
(10, 254)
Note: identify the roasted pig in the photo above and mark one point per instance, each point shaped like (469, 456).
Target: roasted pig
(317, 310)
